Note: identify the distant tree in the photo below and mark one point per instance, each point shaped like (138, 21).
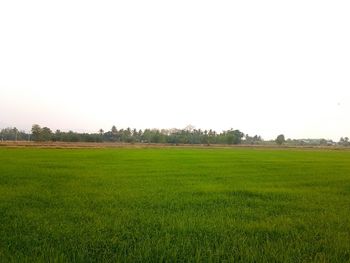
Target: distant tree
(57, 136)
(147, 134)
(323, 142)
(36, 132)
(72, 136)
(113, 134)
(205, 138)
(46, 134)
(15, 131)
(256, 139)
(280, 139)
(126, 135)
(344, 141)
(232, 136)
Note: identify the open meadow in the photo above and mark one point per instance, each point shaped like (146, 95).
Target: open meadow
(174, 204)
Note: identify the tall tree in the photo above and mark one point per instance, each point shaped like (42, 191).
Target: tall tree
(280, 139)
(36, 132)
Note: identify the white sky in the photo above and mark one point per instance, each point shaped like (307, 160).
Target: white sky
(264, 67)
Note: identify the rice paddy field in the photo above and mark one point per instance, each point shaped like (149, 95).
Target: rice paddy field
(174, 205)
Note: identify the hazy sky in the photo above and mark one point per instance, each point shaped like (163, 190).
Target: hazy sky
(265, 67)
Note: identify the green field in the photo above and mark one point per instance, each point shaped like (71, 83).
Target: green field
(174, 204)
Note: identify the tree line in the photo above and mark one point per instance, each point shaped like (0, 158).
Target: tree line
(128, 135)
(188, 135)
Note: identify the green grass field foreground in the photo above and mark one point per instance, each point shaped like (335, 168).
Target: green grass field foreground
(174, 204)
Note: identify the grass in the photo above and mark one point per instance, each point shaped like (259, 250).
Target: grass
(170, 204)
